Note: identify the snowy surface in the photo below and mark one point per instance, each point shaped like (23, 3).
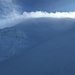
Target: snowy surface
(38, 47)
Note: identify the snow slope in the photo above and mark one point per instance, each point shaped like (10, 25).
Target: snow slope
(42, 46)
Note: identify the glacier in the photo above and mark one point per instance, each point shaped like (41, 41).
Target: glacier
(41, 46)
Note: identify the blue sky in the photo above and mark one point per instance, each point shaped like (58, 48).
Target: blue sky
(41, 5)
(47, 5)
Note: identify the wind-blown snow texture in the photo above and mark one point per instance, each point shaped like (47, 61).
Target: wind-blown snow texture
(43, 46)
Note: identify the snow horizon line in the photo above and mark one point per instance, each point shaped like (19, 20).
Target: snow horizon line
(15, 18)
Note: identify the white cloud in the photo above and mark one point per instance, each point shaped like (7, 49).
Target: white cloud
(8, 6)
(39, 14)
(14, 17)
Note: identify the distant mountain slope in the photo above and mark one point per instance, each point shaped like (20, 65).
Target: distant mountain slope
(38, 47)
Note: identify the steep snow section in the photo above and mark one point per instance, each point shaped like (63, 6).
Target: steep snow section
(10, 40)
(53, 57)
(38, 47)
